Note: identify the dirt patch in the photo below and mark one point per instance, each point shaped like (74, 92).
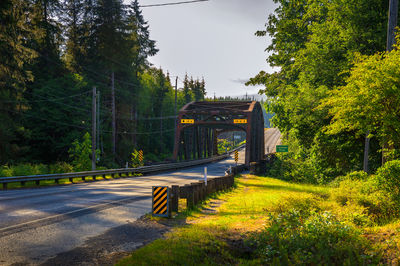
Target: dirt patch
(116, 243)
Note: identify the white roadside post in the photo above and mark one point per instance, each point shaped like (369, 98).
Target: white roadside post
(205, 175)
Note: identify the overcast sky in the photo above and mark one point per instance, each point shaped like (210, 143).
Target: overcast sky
(214, 39)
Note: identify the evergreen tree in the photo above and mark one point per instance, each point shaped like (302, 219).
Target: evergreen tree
(186, 89)
(15, 53)
(142, 46)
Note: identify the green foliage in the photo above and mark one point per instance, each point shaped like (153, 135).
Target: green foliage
(80, 153)
(35, 169)
(370, 99)
(293, 237)
(388, 177)
(135, 162)
(314, 44)
(373, 198)
(224, 145)
(15, 54)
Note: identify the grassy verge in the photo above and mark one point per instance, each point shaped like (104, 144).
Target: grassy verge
(269, 221)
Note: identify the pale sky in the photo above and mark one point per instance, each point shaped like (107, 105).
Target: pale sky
(214, 39)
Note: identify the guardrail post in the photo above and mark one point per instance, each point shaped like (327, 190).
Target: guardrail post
(174, 198)
(195, 193)
(183, 192)
(221, 183)
(232, 179)
(22, 183)
(211, 182)
(263, 167)
(57, 181)
(217, 184)
(189, 196)
(37, 182)
(226, 182)
(253, 168)
(202, 188)
(4, 186)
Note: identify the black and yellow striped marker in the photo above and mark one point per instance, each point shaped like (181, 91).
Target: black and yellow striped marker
(160, 201)
(140, 156)
(236, 156)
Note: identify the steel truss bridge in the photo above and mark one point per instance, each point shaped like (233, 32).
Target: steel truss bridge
(200, 123)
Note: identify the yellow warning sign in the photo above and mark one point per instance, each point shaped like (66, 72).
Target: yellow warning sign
(187, 121)
(160, 201)
(236, 156)
(240, 121)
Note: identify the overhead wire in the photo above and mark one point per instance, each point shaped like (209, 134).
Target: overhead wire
(174, 3)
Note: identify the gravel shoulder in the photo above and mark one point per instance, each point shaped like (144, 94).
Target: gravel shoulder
(114, 244)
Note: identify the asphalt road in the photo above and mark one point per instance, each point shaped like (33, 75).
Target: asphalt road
(39, 223)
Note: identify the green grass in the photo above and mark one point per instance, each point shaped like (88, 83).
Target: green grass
(247, 215)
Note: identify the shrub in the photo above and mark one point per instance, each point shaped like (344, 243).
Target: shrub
(60, 167)
(316, 238)
(369, 195)
(290, 167)
(388, 177)
(80, 153)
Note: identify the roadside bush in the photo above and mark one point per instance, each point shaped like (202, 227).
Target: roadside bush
(356, 175)
(316, 238)
(303, 203)
(35, 169)
(369, 195)
(290, 167)
(80, 153)
(388, 177)
(60, 167)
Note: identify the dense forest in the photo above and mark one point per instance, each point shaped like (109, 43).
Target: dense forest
(53, 53)
(334, 86)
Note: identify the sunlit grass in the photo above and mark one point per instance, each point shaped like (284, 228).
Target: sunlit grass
(243, 210)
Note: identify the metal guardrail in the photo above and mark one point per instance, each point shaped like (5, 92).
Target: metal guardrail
(112, 172)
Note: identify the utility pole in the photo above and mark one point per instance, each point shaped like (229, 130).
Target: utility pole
(176, 107)
(392, 23)
(94, 129)
(214, 96)
(98, 120)
(113, 115)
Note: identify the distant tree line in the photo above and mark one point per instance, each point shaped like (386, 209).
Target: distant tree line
(53, 52)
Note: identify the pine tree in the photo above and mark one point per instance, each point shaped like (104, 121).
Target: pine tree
(143, 46)
(15, 53)
(186, 89)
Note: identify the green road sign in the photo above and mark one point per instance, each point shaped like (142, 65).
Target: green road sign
(282, 148)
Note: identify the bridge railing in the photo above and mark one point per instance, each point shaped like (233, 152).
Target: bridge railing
(111, 172)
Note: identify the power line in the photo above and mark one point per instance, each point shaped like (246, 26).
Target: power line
(175, 3)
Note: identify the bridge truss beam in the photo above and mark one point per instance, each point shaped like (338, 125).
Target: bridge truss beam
(198, 140)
